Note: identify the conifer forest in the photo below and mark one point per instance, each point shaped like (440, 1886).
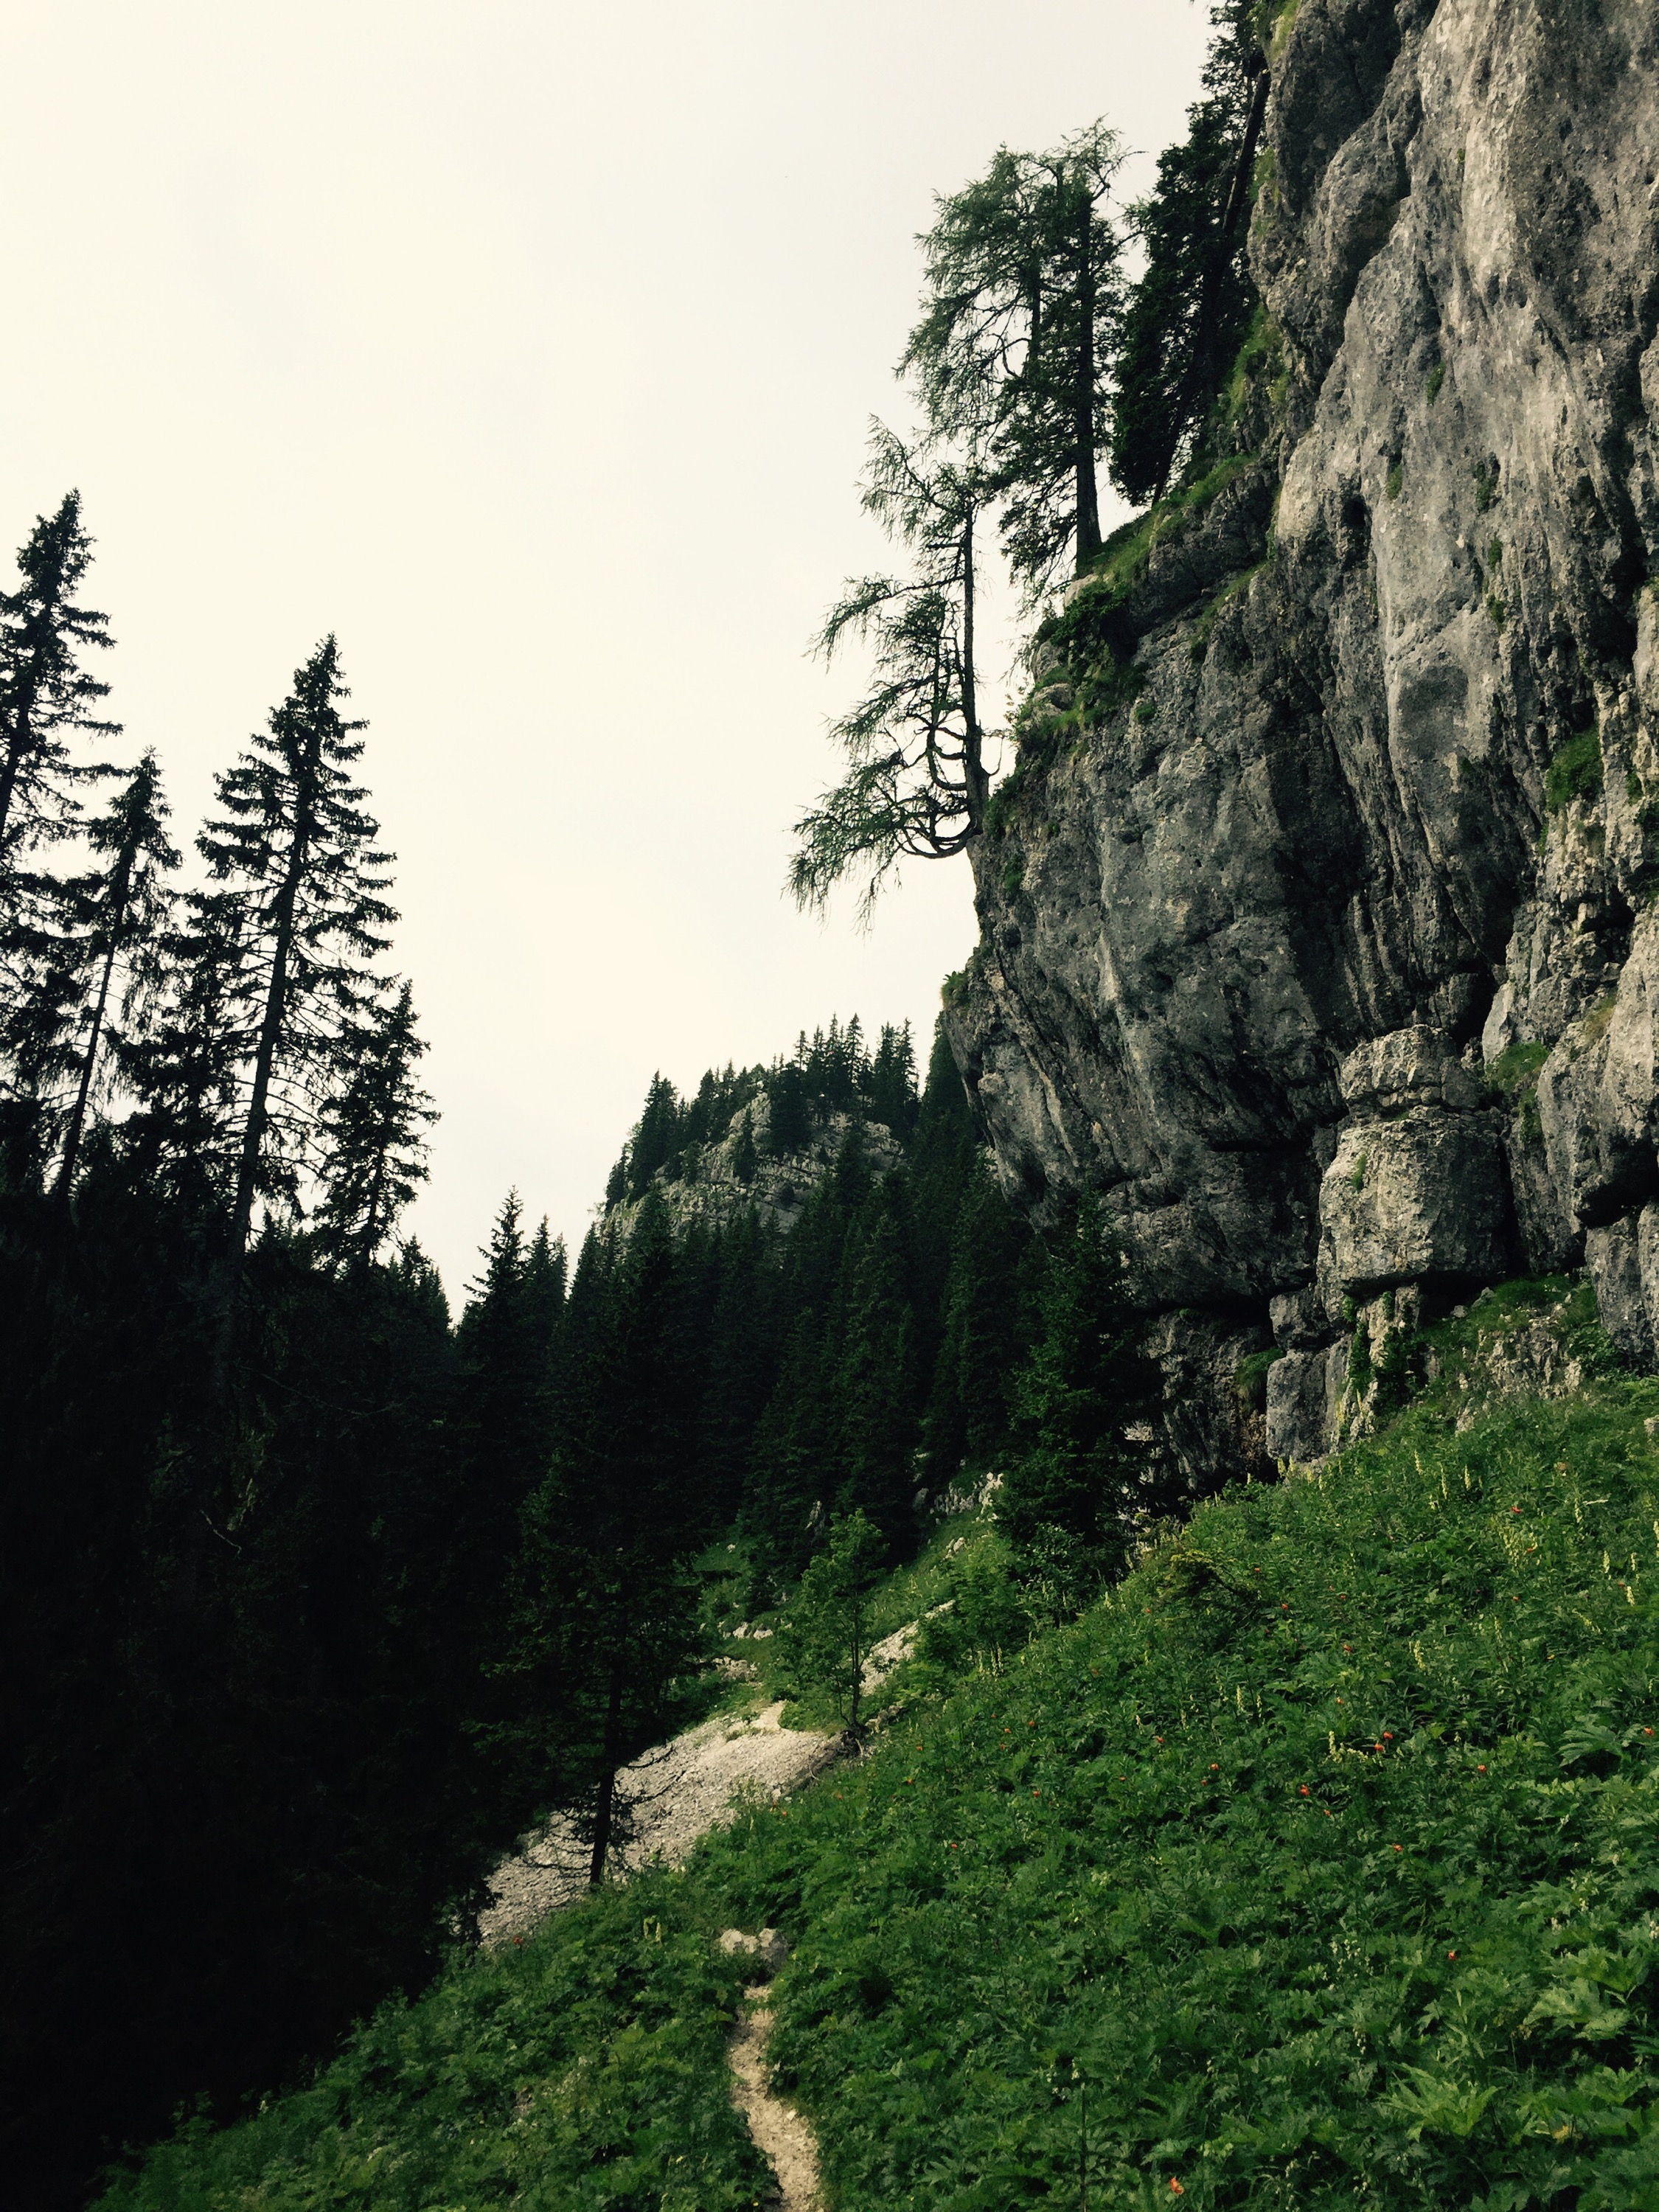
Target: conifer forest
(1176, 1441)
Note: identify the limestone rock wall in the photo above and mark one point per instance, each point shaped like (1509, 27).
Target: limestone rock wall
(1333, 955)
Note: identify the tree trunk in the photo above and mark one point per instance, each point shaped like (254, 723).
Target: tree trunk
(18, 752)
(1083, 400)
(603, 1811)
(119, 890)
(972, 763)
(271, 1028)
(372, 1221)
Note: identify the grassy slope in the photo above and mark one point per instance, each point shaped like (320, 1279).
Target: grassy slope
(1325, 1854)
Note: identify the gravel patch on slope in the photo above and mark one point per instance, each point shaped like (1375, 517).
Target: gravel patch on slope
(678, 1792)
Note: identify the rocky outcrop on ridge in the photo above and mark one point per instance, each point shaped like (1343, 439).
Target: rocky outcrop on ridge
(1331, 953)
(717, 1182)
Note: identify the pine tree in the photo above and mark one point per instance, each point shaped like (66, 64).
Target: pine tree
(46, 696)
(297, 852)
(373, 1153)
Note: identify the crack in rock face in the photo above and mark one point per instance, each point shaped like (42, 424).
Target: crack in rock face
(1329, 954)
(783, 2138)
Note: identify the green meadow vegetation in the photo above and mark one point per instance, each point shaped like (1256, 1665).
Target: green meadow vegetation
(1317, 1863)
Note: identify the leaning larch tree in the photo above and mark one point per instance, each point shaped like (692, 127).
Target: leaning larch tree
(1009, 362)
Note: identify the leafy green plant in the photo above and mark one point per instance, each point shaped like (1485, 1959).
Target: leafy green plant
(1437, 377)
(1250, 1376)
(1396, 477)
(1575, 772)
(583, 2066)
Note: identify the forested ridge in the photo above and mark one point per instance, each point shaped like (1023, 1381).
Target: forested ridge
(314, 1596)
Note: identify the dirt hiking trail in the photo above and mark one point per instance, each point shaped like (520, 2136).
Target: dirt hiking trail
(780, 2134)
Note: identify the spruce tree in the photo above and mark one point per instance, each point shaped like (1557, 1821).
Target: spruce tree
(545, 1279)
(1083, 1469)
(505, 1411)
(794, 1457)
(744, 1158)
(890, 1088)
(876, 1379)
(374, 1151)
(739, 1361)
(37, 1050)
(119, 917)
(297, 854)
(47, 695)
(183, 1066)
(828, 1639)
(983, 1333)
(789, 1123)
(616, 1523)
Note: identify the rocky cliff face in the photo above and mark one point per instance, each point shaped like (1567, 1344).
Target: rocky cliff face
(1332, 951)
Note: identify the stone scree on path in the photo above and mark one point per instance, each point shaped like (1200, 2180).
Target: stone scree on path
(679, 1793)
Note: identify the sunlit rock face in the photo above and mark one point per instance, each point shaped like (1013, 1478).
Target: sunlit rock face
(1329, 955)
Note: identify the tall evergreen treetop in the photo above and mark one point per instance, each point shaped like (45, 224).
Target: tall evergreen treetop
(297, 853)
(46, 696)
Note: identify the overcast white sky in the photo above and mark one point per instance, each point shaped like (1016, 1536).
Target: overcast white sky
(531, 349)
